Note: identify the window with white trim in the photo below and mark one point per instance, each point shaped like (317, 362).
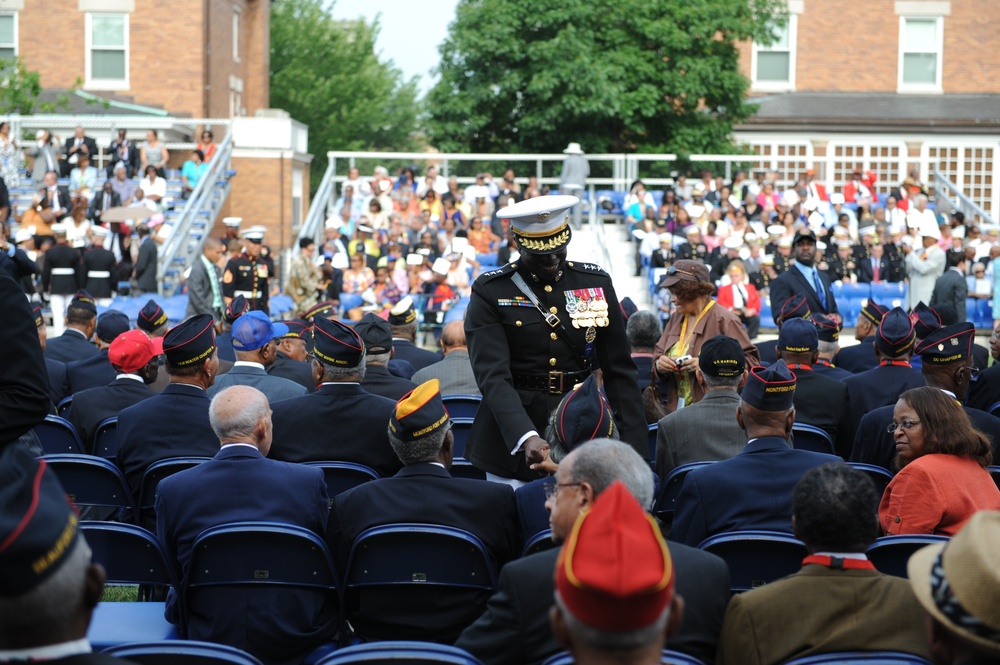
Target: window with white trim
(774, 65)
(921, 42)
(8, 35)
(107, 51)
(236, 34)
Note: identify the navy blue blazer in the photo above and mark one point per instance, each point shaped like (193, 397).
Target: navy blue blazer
(380, 381)
(24, 395)
(532, 515)
(984, 392)
(858, 358)
(224, 342)
(750, 491)
(91, 372)
(293, 370)
(339, 422)
(69, 346)
(58, 381)
(402, 368)
(240, 485)
(173, 423)
(792, 282)
(92, 406)
(831, 371)
(419, 358)
(877, 387)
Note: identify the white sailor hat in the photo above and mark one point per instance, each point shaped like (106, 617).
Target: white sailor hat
(666, 238)
(732, 242)
(840, 231)
(776, 230)
(821, 246)
(441, 266)
(868, 231)
(540, 224)
(334, 223)
(58, 228)
(23, 234)
(232, 221)
(254, 233)
(844, 244)
(767, 260)
(691, 230)
(785, 242)
(99, 230)
(364, 228)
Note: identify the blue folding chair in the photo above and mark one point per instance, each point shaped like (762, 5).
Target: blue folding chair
(756, 558)
(57, 435)
(105, 442)
(539, 542)
(462, 468)
(410, 653)
(879, 476)
(668, 658)
(462, 406)
(151, 480)
(397, 572)
(651, 441)
(92, 482)
(63, 406)
(460, 428)
(342, 476)
(181, 652)
(890, 553)
(670, 489)
(810, 437)
(994, 409)
(866, 657)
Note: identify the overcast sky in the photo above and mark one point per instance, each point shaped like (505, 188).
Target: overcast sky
(410, 32)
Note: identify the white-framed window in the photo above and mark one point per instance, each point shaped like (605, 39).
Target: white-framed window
(8, 35)
(921, 47)
(773, 66)
(107, 51)
(236, 34)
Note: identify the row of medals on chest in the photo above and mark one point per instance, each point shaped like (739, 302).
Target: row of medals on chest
(588, 314)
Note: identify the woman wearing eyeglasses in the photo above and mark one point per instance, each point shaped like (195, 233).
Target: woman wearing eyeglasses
(696, 318)
(942, 461)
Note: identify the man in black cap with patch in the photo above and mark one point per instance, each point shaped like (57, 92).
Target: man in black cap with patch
(947, 365)
(96, 370)
(819, 400)
(804, 279)
(302, 425)
(926, 321)
(535, 329)
(828, 333)
(403, 324)
(754, 489)
(236, 308)
(795, 307)
(49, 584)
(861, 357)
(292, 359)
(247, 275)
(894, 375)
(706, 431)
(152, 319)
(74, 343)
(423, 492)
(325, 309)
(174, 423)
(24, 398)
(379, 350)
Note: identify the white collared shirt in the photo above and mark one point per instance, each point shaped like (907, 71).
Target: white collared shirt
(48, 652)
(134, 377)
(248, 363)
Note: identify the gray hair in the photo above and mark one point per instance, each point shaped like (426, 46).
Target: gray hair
(337, 374)
(235, 412)
(643, 330)
(603, 461)
(54, 603)
(424, 449)
(722, 381)
(607, 640)
(378, 358)
(828, 347)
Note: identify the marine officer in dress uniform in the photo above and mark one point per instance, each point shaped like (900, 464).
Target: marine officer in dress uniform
(99, 267)
(247, 274)
(536, 328)
(60, 277)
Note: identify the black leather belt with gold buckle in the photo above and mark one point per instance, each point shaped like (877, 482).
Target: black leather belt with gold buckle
(555, 382)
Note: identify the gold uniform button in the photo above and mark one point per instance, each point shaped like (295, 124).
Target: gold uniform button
(517, 323)
(553, 336)
(554, 310)
(569, 263)
(513, 265)
(552, 362)
(548, 289)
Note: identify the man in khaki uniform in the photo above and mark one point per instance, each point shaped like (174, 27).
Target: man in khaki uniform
(304, 277)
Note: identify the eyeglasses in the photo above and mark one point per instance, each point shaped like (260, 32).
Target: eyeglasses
(973, 371)
(552, 490)
(906, 425)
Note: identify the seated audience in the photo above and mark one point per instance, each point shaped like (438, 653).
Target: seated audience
(403, 323)
(643, 330)
(292, 358)
(375, 333)
(828, 332)
(454, 372)
(861, 357)
(255, 341)
(96, 370)
(74, 343)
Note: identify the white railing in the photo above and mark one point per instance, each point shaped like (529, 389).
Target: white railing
(945, 188)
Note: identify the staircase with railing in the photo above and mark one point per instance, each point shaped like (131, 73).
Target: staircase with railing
(945, 189)
(193, 222)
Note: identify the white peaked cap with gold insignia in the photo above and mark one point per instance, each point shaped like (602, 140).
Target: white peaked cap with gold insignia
(541, 224)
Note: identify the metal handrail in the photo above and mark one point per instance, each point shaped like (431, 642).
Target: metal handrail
(319, 207)
(944, 188)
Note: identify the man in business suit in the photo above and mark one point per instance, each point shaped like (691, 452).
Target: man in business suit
(876, 268)
(175, 422)
(255, 341)
(837, 601)
(61, 277)
(132, 355)
(423, 492)
(339, 405)
(146, 264)
(862, 357)
(803, 278)
(291, 361)
(985, 389)
(277, 625)
(57, 196)
(80, 144)
(204, 284)
(24, 398)
(375, 333)
(74, 343)
(707, 430)
(754, 489)
(403, 323)
(951, 289)
(105, 199)
(819, 400)
(454, 372)
(515, 627)
(96, 370)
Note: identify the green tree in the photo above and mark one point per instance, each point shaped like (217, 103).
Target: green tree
(20, 88)
(326, 74)
(615, 75)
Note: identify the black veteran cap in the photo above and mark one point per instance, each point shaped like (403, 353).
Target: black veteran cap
(583, 414)
(794, 307)
(83, 300)
(798, 336)
(419, 412)
(374, 332)
(895, 334)
(36, 311)
(827, 329)
(151, 316)
(298, 329)
(770, 388)
(110, 324)
(925, 320)
(804, 233)
(874, 311)
(38, 525)
(403, 313)
(721, 356)
(540, 224)
(320, 310)
(947, 345)
(238, 306)
(191, 342)
(337, 344)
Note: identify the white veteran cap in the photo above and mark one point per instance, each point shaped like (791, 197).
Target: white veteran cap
(254, 233)
(541, 224)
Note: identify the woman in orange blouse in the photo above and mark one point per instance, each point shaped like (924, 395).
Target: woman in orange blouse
(481, 237)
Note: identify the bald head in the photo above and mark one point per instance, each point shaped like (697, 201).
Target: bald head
(453, 336)
(241, 414)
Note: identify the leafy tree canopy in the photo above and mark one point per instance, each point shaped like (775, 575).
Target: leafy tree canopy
(614, 75)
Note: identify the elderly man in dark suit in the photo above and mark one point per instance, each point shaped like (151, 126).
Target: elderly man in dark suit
(238, 484)
(643, 330)
(754, 489)
(403, 323)
(377, 336)
(74, 343)
(80, 144)
(837, 601)
(146, 264)
(803, 278)
(96, 370)
(204, 284)
(515, 627)
(292, 358)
